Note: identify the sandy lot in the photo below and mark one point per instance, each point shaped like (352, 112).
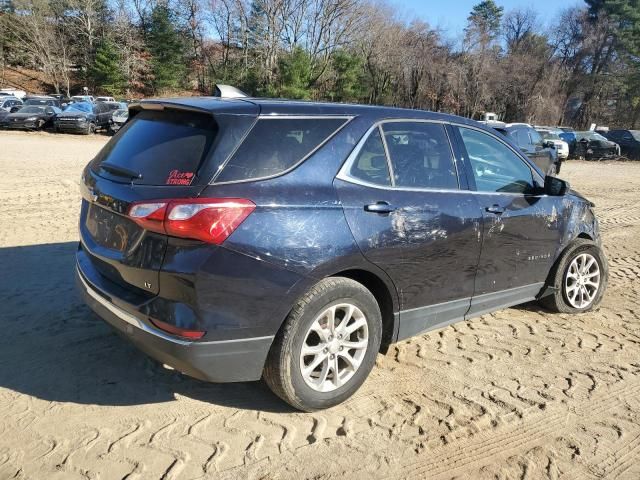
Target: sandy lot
(518, 394)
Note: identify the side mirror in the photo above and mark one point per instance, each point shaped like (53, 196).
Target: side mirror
(15, 109)
(548, 144)
(555, 187)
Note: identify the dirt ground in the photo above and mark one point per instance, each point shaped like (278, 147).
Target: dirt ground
(521, 393)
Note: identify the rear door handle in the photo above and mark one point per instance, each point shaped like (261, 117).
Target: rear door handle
(379, 207)
(496, 209)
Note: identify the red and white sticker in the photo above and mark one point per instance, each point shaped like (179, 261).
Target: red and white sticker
(179, 178)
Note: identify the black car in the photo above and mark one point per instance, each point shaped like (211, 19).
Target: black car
(594, 146)
(569, 135)
(41, 100)
(243, 239)
(629, 141)
(31, 117)
(540, 151)
(85, 117)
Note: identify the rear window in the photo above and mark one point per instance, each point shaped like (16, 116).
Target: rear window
(165, 147)
(274, 145)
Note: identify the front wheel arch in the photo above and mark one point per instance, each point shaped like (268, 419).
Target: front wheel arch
(549, 295)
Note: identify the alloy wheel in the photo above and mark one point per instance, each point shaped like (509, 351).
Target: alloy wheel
(334, 347)
(582, 281)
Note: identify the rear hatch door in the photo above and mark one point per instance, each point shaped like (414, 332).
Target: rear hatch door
(166, 152)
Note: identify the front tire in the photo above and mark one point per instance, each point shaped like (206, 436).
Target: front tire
(327, 345)
(578, 279)
(91, 128)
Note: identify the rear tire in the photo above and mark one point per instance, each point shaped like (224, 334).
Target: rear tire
(339, 327)
(578, 280)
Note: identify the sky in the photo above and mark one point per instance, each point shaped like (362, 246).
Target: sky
(451, 15)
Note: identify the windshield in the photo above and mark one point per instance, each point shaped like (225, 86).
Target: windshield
(121, 113)
(635, 134)
(591, 136)
(80, 107)
(549, 135)
(31, 109)
(38, 101)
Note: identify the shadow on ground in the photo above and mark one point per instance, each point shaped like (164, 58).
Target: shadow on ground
(54, 348)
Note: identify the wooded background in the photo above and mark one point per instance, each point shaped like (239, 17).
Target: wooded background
(578, 68)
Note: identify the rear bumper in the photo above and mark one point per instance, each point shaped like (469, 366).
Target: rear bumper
(218, 361)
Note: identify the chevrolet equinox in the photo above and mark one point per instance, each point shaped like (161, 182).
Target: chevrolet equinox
(239, 239)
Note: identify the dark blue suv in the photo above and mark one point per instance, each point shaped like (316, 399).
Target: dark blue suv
(240, 239)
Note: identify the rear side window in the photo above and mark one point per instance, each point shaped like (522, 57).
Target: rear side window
(420, 155)
(165, 147)
(371, 164)
(275, 145)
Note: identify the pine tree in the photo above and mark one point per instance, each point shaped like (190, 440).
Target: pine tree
(295, 71)
(167, 49)
(483, 23)
(106, 72)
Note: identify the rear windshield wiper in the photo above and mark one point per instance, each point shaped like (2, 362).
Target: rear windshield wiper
(120, 171)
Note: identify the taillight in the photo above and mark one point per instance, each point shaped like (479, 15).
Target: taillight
(211, 220)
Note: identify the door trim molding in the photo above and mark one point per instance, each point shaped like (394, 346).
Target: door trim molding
(421, 320)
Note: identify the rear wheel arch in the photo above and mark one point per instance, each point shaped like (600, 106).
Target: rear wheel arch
(384, 294)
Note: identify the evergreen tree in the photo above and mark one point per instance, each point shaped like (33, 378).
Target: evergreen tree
(348, 85)
(106, 72)
(167, 49)
(484, 22)
(295, 71)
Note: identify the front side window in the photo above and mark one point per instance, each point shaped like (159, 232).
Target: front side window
(371, 163)
(522, 138)
(536, 138)
(496, 168)
(420, 155)
(274, 145)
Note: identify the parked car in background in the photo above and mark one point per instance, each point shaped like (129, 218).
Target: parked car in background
(41, 100)
(118, 119)
(568, 134)
(543, 153)
(85, 117)
(105, 99)
(82, 98)
(63, 99)
(31, 117)
(629, 141)
(78, 117)
(9, 103)
(13, 92)
(553, 135)
(3, 115)
(593, 146)
(235, 240)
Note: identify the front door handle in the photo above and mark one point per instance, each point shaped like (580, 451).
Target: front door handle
(496, 209)
(379, 207)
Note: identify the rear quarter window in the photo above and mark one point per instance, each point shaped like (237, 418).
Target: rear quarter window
(274, 145)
